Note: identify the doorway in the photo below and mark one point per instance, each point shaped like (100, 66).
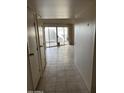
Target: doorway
(56, 36)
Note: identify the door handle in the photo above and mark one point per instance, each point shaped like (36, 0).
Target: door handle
(41, 45)
(31, 54)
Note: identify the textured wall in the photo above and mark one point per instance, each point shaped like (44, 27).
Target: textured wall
(84, 48)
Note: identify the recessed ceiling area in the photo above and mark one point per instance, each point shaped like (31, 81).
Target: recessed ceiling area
(64, 9)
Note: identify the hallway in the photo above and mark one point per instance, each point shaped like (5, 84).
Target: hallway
(60, 75)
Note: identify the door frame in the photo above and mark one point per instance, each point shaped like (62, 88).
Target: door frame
(34, 25)
(38, 36)
(28, 63)
(37, 42)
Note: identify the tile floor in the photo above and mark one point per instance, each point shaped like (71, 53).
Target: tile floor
(60, 75)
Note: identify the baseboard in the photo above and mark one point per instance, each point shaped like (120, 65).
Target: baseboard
(81, 76)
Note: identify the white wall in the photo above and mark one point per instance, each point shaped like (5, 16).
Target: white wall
(84, 47)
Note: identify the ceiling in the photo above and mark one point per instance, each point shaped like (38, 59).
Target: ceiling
(64, 9)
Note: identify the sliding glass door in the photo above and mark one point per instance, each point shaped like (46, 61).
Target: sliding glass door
(62, 35)
(50, 35)
(46, 37)
(66, 35)
(56, 36)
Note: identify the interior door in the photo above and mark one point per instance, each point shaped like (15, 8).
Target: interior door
(33, 49)
(42, 46)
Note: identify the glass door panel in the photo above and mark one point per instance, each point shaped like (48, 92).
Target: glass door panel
(50, 36)
(61, 35)
(66, 34)
(53, 37)
(47, 36)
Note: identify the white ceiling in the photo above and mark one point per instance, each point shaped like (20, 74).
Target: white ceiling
(65, 9)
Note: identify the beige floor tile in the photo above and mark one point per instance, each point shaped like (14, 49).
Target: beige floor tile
(61, 75)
